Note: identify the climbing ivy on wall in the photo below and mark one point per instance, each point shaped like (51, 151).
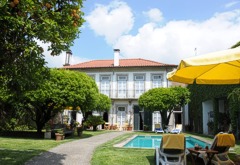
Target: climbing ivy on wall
(234, 100)
(201, 93)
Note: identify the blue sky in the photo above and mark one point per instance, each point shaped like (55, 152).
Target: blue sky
(161, 30)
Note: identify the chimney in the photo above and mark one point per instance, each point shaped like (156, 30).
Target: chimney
(116, 57)
(67, 59)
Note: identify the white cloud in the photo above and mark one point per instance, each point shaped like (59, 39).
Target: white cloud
(58, 61)
(154, 15)
(178, 39)
(111, 21)
(230, 4)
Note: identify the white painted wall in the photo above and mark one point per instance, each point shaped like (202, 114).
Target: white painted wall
(79, 117)
(130, 73)
(207, 107)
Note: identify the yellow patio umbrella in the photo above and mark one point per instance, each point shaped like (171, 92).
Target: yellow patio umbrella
(221, 67)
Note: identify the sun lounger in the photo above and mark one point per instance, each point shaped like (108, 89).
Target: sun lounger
(158, 128)
(172, 150)
(177, 129)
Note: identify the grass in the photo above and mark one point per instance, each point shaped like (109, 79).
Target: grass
(16, 151)
(106, 154)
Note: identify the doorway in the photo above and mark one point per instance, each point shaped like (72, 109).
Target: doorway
(105, 118)
(138, 118)
(121, 116)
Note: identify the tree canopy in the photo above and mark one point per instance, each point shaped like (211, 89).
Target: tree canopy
(64, 88)
(24, 25)
(164, 100)
(104, 103)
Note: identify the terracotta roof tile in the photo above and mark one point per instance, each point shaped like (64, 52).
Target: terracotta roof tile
(122, 63)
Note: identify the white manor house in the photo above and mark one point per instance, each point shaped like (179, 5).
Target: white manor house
(124, 80)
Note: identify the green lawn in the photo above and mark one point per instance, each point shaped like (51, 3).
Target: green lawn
(106, 154)
(16, 151)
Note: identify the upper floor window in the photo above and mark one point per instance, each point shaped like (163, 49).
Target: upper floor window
(156, 80)
(139, 85)
(105, 85)
(122, 86)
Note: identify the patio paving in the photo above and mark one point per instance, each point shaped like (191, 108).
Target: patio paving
(78, 152)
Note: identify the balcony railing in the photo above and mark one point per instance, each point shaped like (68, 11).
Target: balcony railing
(123, 94)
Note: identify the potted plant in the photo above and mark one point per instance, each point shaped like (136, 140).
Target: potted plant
(129, 128)
(59, 134)
(94, 121)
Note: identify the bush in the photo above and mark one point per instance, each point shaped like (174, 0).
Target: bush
(94, 121)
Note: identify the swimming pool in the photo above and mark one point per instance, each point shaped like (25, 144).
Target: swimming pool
(154, 141)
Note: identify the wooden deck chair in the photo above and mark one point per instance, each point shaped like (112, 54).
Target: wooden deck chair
(221, 143)
(172, 150)
(158, 128)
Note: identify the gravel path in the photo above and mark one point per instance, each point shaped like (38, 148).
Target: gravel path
(78, 152)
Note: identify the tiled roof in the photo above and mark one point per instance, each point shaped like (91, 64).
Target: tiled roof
(122, 63)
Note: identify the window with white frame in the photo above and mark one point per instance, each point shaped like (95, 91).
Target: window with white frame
(122, 86)
(139, 85)
(156, 80)
(105, 85)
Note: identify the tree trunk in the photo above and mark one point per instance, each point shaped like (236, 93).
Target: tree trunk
(95, 128)
(168, 117)
(164, 122)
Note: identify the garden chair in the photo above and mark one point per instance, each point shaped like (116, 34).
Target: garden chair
(172, 150)
(158, 128)
(106, 126)
(221, 143)
(125, 126)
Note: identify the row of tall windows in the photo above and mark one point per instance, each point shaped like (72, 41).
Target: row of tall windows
(139, 84)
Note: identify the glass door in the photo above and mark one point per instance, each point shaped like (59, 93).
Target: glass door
(121, 116)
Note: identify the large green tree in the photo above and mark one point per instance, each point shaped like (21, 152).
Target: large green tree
(64, 88)
(164, 100)
(26, 23)
(104, 103)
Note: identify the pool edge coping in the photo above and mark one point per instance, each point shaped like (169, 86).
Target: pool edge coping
(121, 144)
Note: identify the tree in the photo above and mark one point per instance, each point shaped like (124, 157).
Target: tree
(26, 23)
(164, 100)
(104, 103)
(64, 88)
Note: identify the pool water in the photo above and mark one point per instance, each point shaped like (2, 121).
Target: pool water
(154, 141)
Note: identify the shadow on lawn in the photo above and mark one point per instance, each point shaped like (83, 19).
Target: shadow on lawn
(16, 157)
